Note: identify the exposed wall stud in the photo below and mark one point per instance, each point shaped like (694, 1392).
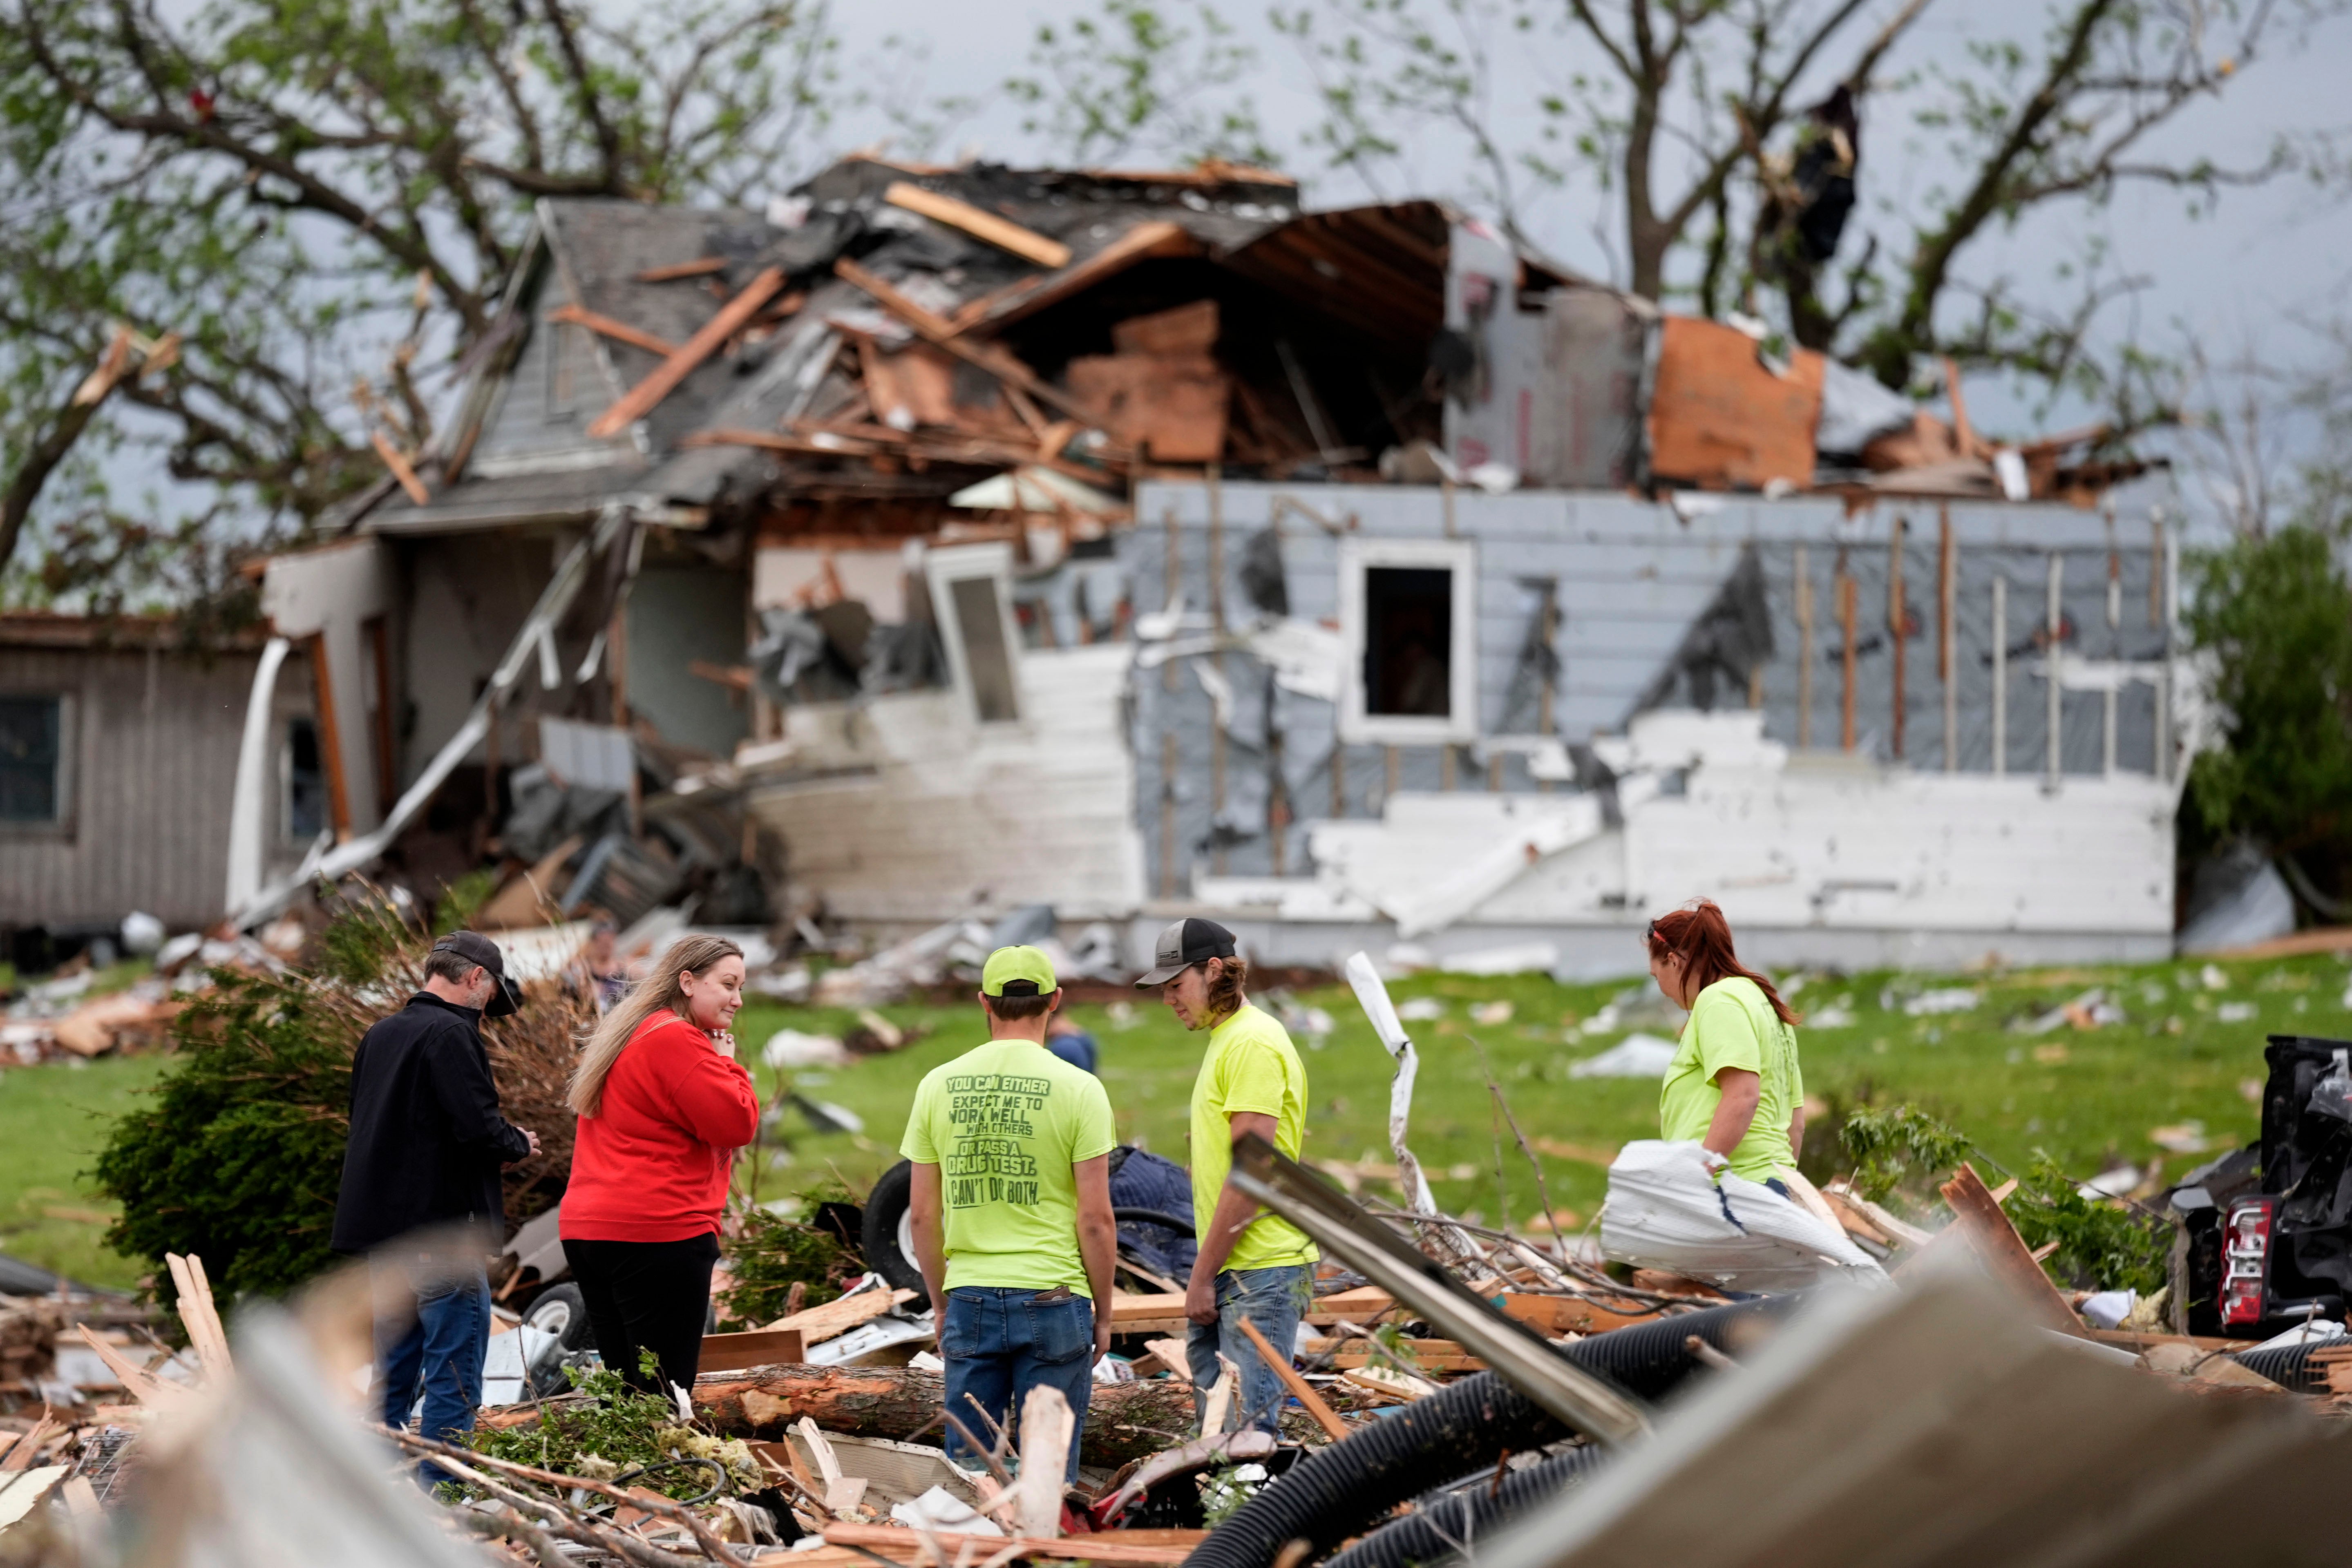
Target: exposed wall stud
(1898, 629)
(1804, 651)
(1948, 572)
(2055, 626)
(2000, 672)
(1847, 613)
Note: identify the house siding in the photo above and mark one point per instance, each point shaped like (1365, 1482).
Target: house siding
(155, 738)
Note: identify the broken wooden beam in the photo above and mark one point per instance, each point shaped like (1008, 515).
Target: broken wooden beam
(619, 331)
(938, 329)
(662, 379)
(1148, 240)
(700, 267)
(2003, 1252)
(399, 467)
(1335, 1429)
(842, 1313)
(1001, 232)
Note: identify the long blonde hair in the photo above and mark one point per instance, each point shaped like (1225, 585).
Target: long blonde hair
(686, 955)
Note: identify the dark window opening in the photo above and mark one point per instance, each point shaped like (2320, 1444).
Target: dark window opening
(1407, 641)
(31, 748)
(306, 781)
(980, 624)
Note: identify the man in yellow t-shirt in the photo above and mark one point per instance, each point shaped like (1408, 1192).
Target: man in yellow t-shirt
(1251, 1265)
(1010, 1207)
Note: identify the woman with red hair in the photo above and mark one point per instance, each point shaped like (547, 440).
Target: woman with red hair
(1734, 1085)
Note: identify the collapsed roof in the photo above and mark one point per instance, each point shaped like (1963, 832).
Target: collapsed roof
(817, 391)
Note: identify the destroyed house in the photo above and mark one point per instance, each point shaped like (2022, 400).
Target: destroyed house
(1130, 543)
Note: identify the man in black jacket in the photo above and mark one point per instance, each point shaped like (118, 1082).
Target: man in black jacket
(425, 1146)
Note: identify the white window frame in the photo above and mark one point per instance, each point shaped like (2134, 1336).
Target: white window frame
(942, 568)
(1357, 556)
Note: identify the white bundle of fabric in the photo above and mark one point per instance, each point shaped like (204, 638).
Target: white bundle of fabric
(1666, 1210)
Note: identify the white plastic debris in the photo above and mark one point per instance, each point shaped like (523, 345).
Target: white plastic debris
(2311, 1331)
(1421, 1009)
(1927, 1003)
(2108, 1309)
(1635, 1056)
(2236, 1012)
(142, 933)
(940, 1510)
(1666, 1210)
(791, 1048)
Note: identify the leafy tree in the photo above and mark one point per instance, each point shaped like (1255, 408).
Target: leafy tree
(2275, 615)
(325, 200)
(1693, 120)
(1137, 82)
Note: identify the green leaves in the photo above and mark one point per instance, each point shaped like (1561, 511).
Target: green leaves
(2100, 1246)
(1899, 1147)
(1134, 83)
(268, 179)
(2275, 615)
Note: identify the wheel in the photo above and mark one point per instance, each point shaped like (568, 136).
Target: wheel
(888, 1232)
(560, 1310)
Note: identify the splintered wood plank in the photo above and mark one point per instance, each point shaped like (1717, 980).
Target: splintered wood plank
(700, 267)
(399, 467)
(840, 1315)
(1333, 1427)
(2004, 1253)
(662, 379)
(998, 363)
(1001, 232)
(619, 331)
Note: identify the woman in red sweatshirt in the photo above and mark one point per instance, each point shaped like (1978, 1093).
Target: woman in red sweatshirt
(663, 1107)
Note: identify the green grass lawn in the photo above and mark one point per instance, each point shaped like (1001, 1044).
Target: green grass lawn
(2089, 1097)
(53, 1121)
(2184, 1052)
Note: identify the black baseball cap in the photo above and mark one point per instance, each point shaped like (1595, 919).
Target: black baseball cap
(1184, 943)
(475, 948)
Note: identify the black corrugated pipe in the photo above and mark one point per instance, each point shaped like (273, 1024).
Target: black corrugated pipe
(2290, 1366)
(1453, 1523)
(1341, 1490)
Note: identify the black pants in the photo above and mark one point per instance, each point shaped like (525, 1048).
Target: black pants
(646, 1295)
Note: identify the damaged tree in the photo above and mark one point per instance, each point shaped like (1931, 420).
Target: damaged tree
(244, 195)
(2026, 123)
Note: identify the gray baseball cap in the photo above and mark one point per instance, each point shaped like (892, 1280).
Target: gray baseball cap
(1184, 943)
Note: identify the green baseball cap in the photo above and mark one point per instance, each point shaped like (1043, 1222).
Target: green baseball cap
(1011, 965)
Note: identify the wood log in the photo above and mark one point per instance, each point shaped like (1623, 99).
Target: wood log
(1124, 1420)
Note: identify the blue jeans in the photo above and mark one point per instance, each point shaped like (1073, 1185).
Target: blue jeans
(441, 1343)
(1000, 1342)
(1272, 1299)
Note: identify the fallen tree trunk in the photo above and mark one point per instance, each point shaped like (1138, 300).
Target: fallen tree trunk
(1124, 1420)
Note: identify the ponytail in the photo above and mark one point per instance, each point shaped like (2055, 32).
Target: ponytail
(1699, 935)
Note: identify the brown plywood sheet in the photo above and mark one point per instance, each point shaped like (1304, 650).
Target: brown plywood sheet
(1187, 329)
(1719, 420)
(1169, 406)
